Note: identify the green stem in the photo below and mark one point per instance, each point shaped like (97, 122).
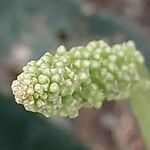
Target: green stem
(140, 102)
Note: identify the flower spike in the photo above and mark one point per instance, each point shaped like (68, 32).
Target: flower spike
(84, 76)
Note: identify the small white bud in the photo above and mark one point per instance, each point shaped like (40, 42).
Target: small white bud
(43, 79)
(61, 49)
(54, 88)
(38, 88)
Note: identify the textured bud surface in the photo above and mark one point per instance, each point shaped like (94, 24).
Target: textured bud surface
(84, 76)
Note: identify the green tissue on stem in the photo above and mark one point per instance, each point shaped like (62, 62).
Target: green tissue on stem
(140, 102)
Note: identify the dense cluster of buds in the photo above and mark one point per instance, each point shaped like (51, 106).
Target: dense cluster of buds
(83, 76)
